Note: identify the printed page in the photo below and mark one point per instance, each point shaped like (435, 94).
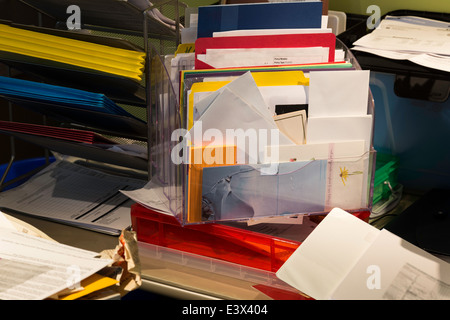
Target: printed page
(318, 266)
(33, 268)
(392, 268)
(395, 35)
(73, 194)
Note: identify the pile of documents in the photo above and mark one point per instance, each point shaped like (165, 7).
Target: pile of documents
(73, 53)
(276, 94)
(423, 41)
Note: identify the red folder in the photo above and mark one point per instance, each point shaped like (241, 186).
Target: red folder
(54, 132)
(265, 41)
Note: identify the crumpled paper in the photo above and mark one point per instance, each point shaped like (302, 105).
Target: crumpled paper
(126, 268)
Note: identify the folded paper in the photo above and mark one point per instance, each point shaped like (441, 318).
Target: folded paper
(347, 258)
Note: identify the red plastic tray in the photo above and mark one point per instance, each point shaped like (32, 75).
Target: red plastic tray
(214, 240)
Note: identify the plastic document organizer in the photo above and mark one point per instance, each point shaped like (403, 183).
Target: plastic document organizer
(177, 189)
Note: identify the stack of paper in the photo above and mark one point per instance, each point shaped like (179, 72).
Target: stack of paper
(75, 53)
(262, 34)
(281, 85)
(237, 106)
(422, 41)
(265, 50)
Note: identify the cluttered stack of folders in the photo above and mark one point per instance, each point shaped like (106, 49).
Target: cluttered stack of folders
(277, 119)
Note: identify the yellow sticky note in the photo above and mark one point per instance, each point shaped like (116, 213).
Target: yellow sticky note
(185, 48)
(280, 78)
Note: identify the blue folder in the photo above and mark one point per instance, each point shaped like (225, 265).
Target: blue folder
(272, 15)
(46, 93)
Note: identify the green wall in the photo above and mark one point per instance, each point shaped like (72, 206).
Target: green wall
(360, 6)
(198, 3)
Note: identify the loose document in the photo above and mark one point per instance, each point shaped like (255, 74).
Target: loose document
(35, 268)
(70, 193)
(347, 258)
(423, 41)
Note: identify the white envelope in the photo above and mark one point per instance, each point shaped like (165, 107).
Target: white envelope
(338, 93)
(245, 87)
(248, 57)
(229, 111)
(337, 129)
(263, 32)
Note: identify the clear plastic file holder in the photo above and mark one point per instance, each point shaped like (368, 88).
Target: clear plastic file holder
(225, 190)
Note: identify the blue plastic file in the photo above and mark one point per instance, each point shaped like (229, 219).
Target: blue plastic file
(46, 93)
(273, 15)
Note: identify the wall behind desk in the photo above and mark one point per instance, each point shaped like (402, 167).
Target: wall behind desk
(360, 6)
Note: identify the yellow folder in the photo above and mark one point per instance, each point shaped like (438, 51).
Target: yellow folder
(91, 284)
(270, 78)
(117, 61)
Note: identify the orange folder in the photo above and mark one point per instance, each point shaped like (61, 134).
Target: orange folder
(201, 157)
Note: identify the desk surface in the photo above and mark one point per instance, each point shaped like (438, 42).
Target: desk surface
(159, 277)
